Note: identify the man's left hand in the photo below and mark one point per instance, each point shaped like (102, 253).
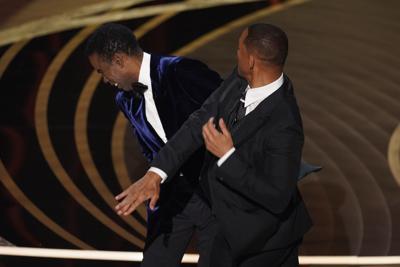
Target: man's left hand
(218, 143)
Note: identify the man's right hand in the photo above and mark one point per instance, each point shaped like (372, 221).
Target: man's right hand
(147, 187)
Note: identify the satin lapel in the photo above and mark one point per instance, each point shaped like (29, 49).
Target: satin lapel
(158, 65)
(155, 74)
(255, 119)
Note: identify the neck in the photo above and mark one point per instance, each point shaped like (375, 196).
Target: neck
(263, 76)
(135, 65)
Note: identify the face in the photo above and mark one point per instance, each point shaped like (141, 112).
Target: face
(115, 72)
(243, 57)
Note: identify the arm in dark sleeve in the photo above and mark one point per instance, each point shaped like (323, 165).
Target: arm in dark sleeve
(272, 183)
(189, 137)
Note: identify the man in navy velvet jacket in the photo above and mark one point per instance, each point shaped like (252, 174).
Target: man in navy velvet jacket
(157, 94)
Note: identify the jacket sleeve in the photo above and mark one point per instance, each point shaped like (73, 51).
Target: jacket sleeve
(271, 181)
(189, 137)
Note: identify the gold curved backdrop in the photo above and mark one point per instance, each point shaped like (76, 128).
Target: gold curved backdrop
(65, 150)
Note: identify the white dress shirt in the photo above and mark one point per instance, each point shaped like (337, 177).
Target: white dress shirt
(150, 106)
(151, 110)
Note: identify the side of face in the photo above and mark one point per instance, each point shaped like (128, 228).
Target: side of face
(116, 72)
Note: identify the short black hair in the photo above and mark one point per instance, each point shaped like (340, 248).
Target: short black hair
(269, 43)
(111, 38)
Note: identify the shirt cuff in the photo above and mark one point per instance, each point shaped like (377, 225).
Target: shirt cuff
(225, 157)
(160, 173)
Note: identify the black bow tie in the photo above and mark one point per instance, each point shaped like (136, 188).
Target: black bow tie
(139, 88)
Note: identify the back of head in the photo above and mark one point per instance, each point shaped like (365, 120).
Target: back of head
(268, 43)
(111, 38)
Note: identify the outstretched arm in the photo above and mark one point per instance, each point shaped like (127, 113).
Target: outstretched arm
(175, 152)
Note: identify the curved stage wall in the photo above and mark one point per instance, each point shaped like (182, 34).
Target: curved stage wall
(66, 151)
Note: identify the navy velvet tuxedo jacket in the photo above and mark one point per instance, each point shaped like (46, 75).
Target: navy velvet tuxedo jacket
(180, 86)
(254, 193)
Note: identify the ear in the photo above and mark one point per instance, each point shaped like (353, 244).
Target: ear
(252, 61)
(119, 59)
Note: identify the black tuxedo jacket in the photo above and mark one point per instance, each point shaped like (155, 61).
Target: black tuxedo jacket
(254, 192)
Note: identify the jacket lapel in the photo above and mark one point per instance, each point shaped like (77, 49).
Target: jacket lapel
(158, 66)
(257, 118)
(155, 74)
(229, 99)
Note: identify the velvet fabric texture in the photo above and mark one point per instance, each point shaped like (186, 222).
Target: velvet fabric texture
(180, 86)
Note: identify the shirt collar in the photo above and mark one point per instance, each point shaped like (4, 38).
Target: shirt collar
(257, 94)
(144, 72)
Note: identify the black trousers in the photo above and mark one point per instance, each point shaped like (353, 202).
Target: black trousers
(167, 249)
(284, 257)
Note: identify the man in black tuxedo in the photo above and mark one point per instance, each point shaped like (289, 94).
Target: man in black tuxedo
(252, 130)
(157, 94)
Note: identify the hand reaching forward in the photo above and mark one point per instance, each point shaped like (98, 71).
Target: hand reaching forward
(147, 187)
(215, 141)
